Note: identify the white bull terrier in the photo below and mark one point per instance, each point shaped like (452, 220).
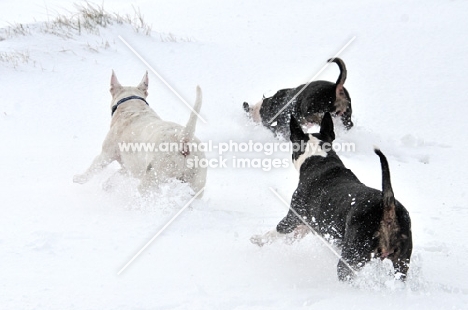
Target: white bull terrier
(134, 122)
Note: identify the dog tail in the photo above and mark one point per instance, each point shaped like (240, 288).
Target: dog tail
(342, 100)
(343, 73)
(387, 191)
(189, 131)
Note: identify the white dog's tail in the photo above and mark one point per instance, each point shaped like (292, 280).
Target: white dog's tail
(189, 130)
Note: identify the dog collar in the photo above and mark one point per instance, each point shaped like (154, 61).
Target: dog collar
(124, 100)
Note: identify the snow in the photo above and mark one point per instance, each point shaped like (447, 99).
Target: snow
(62, 244)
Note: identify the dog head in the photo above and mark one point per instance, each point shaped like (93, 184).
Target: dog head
(306, 146)
(118, 91)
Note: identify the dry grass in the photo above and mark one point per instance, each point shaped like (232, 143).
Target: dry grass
(86, 18)
(14, 30)
(90, 18)
(169, 37)
(15, 58)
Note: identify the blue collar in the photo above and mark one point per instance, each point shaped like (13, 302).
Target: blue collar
(124, 100)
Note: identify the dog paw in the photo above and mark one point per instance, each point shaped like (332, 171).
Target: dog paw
(258, 240)
(301, 231)
(80, 178)
(267, 238)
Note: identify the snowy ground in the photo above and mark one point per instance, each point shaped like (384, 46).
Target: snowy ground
(62, 244)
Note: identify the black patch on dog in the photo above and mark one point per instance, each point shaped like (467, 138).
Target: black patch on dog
(366, 222)
(272, 105)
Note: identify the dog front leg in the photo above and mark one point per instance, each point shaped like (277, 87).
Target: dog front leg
(290, 229)
(266, 238)
(273, 235)
(289, 223)
(99, 163)
(292, 226)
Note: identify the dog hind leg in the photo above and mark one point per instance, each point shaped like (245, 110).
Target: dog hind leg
(350, 255)
(109, 184)
(344, 273)
(150, 181)
(197, 183)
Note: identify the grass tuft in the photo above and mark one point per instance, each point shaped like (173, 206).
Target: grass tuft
(91, 18)
(87, 18)
(15, 58)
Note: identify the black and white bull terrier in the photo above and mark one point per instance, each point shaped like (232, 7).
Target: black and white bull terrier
(308, 106)
(365, 222)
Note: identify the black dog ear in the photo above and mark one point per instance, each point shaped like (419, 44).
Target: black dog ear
(296, 130)
(327, 132)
